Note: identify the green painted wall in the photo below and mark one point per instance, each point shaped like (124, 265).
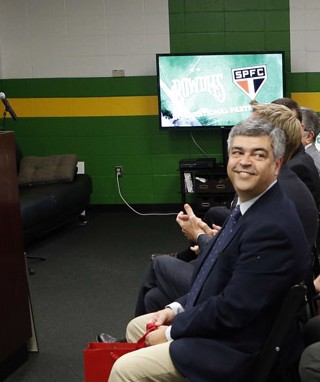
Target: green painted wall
(150, 157)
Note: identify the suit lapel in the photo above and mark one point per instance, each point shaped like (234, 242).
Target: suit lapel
(211, 243)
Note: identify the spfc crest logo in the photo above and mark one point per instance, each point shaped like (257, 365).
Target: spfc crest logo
(251, 79)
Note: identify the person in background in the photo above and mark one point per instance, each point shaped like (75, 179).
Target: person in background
(310, 121)
(243, 274)
(304, 167)
(301, 163)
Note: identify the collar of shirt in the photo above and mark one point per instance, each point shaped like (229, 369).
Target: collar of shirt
(244, 206)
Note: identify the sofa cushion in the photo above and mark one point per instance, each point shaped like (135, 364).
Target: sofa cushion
(49, 169)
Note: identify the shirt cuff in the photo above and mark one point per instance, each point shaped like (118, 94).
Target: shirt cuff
(175, 307)
(168, 333)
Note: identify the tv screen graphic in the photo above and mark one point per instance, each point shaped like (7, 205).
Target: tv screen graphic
(215, 90)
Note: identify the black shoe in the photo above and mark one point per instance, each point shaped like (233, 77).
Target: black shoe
(103, 337)
(154, 255)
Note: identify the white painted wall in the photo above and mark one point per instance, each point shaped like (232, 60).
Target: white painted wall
(81, 38)
(305, 35)
(90, 38)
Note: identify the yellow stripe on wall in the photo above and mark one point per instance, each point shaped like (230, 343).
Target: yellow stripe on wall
(311, 100)
(111, 106)
(84, 107)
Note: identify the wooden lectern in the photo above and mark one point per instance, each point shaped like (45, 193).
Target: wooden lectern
(15, 319)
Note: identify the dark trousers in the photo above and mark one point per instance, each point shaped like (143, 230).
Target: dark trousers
(167, 278)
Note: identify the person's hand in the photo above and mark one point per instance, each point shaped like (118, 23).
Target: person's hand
(162, 317)
(189, 223)
(215, 229)
(157, 336)
(195, 249)
(209, 231)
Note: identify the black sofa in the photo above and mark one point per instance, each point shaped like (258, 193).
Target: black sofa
(47, 205)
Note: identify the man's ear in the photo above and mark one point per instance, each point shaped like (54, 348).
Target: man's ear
(310, 137)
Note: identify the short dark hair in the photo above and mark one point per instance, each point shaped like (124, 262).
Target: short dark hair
(254, 127)
(310, 120)
(291, 104)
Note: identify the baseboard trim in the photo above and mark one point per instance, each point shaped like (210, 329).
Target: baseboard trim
(143, 208)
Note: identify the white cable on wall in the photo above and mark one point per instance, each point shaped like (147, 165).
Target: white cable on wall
(137, 212)
(197, 144)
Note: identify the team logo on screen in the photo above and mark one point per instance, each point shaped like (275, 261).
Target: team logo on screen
(250, 79)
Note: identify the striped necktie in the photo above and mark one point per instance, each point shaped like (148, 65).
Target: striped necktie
(219, 244)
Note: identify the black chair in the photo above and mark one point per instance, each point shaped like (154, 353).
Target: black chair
(315, 260)
(313, 296)
(267, 368)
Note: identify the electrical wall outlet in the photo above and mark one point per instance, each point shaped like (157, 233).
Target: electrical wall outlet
(118, 73)
(118, 170)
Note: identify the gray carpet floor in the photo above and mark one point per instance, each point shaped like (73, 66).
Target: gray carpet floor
(89, 284)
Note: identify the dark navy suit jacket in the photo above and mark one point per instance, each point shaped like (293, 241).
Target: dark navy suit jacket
(219, 338)
(303, 165)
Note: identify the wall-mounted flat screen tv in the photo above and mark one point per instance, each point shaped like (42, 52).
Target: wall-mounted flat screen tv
(214, 90)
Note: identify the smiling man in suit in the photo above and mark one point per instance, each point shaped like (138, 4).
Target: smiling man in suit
(215, 332)
(168, 278)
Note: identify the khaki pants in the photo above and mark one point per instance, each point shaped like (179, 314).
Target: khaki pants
(148, 364)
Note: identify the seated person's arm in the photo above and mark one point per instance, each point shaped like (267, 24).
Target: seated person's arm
(192, 226)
